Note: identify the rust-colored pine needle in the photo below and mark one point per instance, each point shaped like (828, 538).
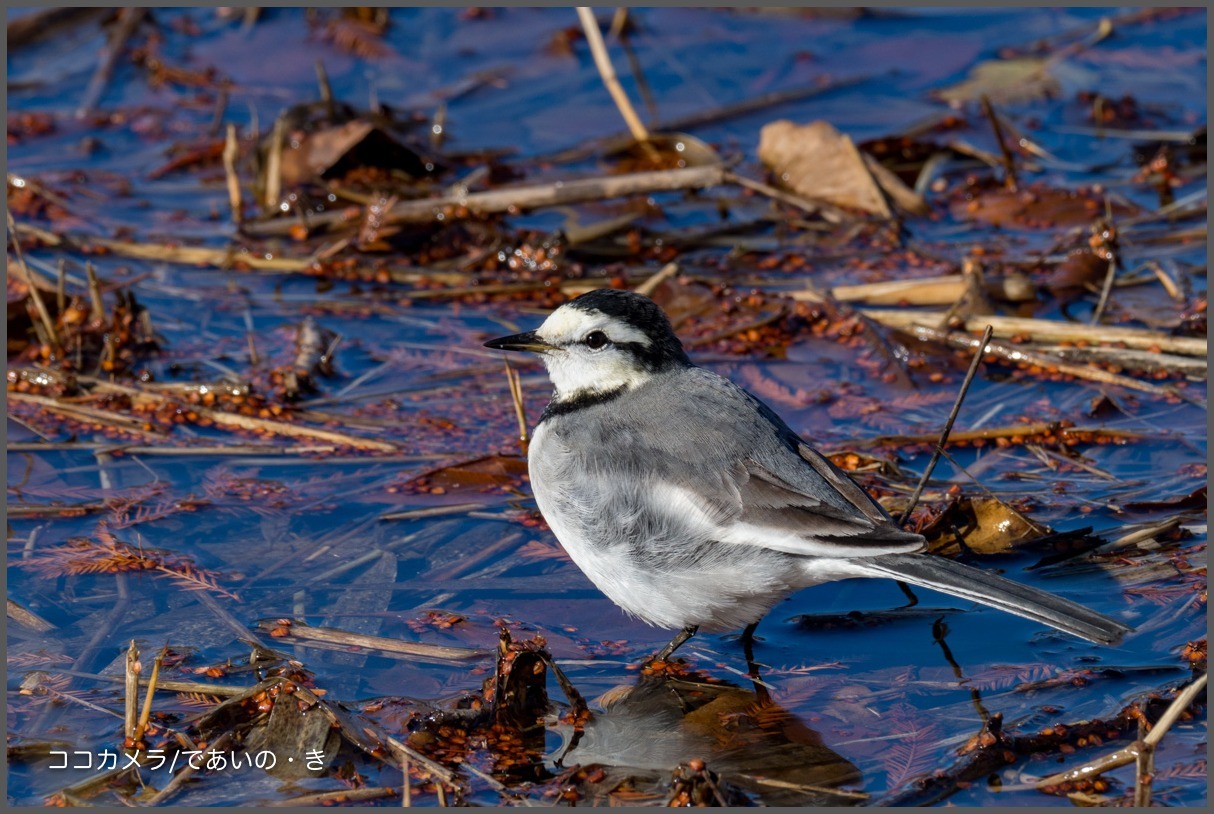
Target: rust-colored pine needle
(108, 555)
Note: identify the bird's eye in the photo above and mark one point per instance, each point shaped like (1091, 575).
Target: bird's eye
(596, 340)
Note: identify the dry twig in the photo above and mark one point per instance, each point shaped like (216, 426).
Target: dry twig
(1129, 754)
(128, 19)
(948, 426)
(509, 199)
(131, 696)
(231, 149)
(306, 634)
(594, 38)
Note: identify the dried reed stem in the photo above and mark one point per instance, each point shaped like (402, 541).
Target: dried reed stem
(828, 212)
(305, 634)
(1050, 330)
(272, 180)
(1018, 355)
(131, 712)
(35, 294)
(1009, 163)
(651, 284)
(24, 616)
(1129, 754)
(96, 303)
(516, 395)
(146, 714)
(246, 422)
(231, 149)
(183, 774)
(510, 199)
(1105, 290)
(594, 38)
(128, 19)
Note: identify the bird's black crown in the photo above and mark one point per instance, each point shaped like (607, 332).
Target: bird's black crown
(643, 314)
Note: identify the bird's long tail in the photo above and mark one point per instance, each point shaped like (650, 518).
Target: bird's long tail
(951, 577)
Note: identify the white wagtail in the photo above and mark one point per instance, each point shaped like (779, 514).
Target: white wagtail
(691, 504)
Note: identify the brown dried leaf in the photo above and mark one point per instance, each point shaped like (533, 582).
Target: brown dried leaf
(817, 161)
(492, 470)
(1004, 81)
(331, 152)
(987, 525)
(1072, 277)
(1036, 207)
(1194, 500)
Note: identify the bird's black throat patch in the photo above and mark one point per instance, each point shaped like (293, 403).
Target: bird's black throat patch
(580, 401)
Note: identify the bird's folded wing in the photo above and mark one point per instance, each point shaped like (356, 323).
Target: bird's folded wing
(822, 513)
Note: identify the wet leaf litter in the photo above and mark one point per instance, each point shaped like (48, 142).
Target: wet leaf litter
(253, 441)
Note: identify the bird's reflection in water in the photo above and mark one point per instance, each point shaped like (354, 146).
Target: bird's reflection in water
(757, 750)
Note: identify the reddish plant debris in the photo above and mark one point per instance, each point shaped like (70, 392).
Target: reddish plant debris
(189, 157)
(107, 555)
(492, 473)
(1195, 654)
(29, 125)
(1105, 112)
(437, 620)
(1194, 500)
(362, 37)
(35, 201)
(1036, 206)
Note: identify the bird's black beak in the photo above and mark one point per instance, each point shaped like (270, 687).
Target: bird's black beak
(526, 341)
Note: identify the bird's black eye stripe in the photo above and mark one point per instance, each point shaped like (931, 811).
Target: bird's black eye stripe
(596, 340)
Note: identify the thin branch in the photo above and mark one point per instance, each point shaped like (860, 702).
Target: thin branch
(948, 425)
(1129, 754)
(1009, 163)
(231, 149)
(509, 199)
(132, 691)
(128, 19)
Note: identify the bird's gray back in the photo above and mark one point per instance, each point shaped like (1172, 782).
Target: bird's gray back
(689, 422)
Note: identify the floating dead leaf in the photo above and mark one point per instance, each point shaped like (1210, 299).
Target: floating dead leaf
(1004, 81)
(331, 152)
(820, 163)
(490, 471)
(1193, 500)
(304, 744)
(191, 156)
(1036, 207)
(1075, 275)
(986, 525)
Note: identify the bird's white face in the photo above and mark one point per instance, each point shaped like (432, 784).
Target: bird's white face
(591, 352)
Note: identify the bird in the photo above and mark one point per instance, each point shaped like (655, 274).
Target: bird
(693, 506)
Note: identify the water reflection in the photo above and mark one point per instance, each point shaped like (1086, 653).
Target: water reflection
(645, 732)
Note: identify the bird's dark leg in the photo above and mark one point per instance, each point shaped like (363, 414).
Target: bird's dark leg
(682, 636)
(752, 668)
(748, 647)
(912, 600)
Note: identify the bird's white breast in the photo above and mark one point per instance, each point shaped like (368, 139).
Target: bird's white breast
(629, 536)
